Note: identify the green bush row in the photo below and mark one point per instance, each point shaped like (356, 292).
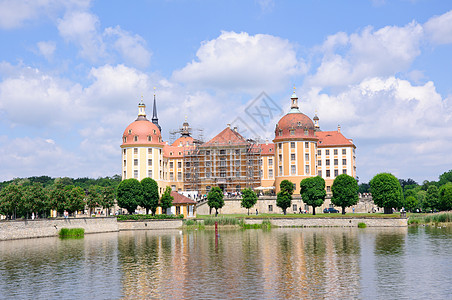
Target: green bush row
(71, 232)
(147, 217)
(436, 218)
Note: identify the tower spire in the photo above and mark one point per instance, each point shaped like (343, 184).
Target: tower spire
(141, 110)
(155, 119)
(294, 102)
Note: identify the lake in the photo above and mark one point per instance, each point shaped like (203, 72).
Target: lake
(282, 263)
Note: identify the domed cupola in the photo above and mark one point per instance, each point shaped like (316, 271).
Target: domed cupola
(141, 131)
(294, 125)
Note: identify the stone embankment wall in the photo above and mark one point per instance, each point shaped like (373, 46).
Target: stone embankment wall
(150, 224)
(333, 222)
(10, 230)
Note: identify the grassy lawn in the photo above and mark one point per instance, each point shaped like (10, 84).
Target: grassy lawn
(321, 215)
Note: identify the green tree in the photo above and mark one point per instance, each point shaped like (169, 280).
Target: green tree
(411, 203)
(312, 190)
(215, 199)
(57, 197)
(36, 198)
(284, 196)
(10, 200)
(445, 196)
(345, 191)
(386, 191)
(287, 185)
(108, 196)
(249, 199)
(445, 178)
(75, 199)
(432, 198)
(167, 200)
(94, 198)
(364, 188)
(150, 199)
(129, 194)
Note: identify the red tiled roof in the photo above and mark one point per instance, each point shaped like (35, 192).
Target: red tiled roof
(267, 149)
(168, 150)
(182, 141)
(297, 123)
(181, 199)
(332, 138)
(141, 130)
(227, 136)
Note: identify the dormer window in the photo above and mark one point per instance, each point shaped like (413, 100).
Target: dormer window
(135, 138)
(149, 138)
(154, 131)
(306, 132)
(292, 132)
(180, 153)
(280, 132)
(125, 139)
(130, 131)
(171, 153)
(299, 124)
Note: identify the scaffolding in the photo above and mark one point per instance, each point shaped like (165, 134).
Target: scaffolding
(229, 166)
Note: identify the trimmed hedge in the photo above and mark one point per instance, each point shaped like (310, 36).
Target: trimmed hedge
(147, 217)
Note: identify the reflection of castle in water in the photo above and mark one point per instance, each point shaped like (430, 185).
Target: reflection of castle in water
(283, 263)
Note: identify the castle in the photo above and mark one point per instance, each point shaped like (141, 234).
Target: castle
(232, 162)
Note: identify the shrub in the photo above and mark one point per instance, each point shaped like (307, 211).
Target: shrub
(147, 217)
(221, 221)
(362, 225)
(71, 232)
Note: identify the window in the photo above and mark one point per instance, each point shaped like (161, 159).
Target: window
(208, 152)
(187, 176)
(270, 207)
(160, 151)
(237, 162)
(336, 162)
(135, 174)
(292, 145)
(124, 151)
(292, 132)
(306, 145)
(135, 162)
(280, 145)
(294, 207)
(237, 174)
(237, 152)
(149, 150)
(125, 174)
(125, 139)
(135, 150)
(171, 176)
(344, 171)
(130, 131)
(344, 161)
(171, 165)
(150, 173)
(293, 170)
(222, 152)
(135, 138)
(319, 162)
(344, 151)
(319, 173)
(327, 162)
(280, 170)
(306, 132)
(179, 164)
(207, 163)
(149, 162)
(270, 161)
(187, 164)
(179, 176)
(328, 173)
(280, 132)
(327, 152)
(208, 175)
(124, 162)
(306, 157)
(335, 151)
(222, 174)
(149, 138)
(280, 157)
(306, 170)
(270, 173)
(292, 156)
(336, 173)
(328, 188)
(319, 152)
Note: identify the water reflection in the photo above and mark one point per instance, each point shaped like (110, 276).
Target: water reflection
(291, 263)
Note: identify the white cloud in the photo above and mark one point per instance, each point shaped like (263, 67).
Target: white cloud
(242, 62)
(348, 59)
(131, 47)
(15, 13)
(439, 28)
(82, 29)
(47, 49)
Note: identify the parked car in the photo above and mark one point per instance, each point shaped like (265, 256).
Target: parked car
(330, 210)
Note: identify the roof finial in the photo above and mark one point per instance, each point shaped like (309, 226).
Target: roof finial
(185, 118)
(154, 90)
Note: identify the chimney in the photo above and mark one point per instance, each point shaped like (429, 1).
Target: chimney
(339, 128)
(235, 128)
(229, 126)
(266, 141)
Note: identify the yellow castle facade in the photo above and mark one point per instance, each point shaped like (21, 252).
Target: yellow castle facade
(232, 162)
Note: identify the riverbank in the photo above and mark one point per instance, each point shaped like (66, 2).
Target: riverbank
(24, 229)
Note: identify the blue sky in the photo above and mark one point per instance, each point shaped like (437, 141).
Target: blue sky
(72, 73)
